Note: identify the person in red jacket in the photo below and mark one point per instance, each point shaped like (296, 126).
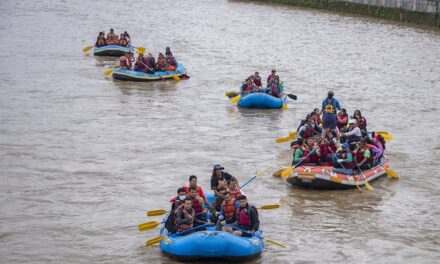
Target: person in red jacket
(245, 217)
(342, 120)
(193, 183)
(125, 61)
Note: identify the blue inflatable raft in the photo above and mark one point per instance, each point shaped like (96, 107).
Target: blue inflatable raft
(111, 50)
(211, 244)
(126, 75)
(261, 101)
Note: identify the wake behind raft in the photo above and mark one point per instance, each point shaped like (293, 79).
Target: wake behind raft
(211, 244)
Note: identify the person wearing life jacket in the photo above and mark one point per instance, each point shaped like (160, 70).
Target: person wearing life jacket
(192, 182)
(184, 216)
(245, 217)
(342, 119)
(150, 63)
(329, 106)
(377, 146)
(197, 203)
(276, 88)
(179, 199)
(257, 80)
(364, 156)
(317, 116)
(315, 157)
(127, 37)
(308, 130)
(227, 210)
(125, 61)
(161, 63)
(139, 65)
(344, 161)
(100, 40)
(247, 87)
(299, 152)
(354, 134)
(216, 204)
(176, 202)
(123, 41)
(219, 178)
(328, 144)
(362, 122)
(271, 78)
(111, 36)
(234, 189)
(172, 63)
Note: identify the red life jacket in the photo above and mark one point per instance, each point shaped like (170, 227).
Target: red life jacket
(161, 63)
(228, 208)
(123, 42)
(348, 165)
(308, 133)
(139, 66)
(257, 82)
(248, 88)
(125, 62)
(360, 156)
(196, 205)
(243, 218)
(305, 153)
(275, 90)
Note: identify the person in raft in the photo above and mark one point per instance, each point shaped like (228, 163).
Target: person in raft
(245, 217)
(125, 61)
(185, 217)
(219, 178)
(271, 77)
(344, 162)
(329, 106)
(192, 183)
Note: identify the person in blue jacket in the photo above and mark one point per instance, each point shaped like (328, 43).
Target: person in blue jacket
(329, 106)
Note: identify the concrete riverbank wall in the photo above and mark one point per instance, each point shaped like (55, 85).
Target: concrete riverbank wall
(425, 12)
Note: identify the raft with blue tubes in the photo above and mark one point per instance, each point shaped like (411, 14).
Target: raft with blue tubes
(261, 101)
(126, 75)
(111, 50)
(211, 244)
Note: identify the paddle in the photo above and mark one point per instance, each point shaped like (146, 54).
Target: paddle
(235, 99)
(367, 185)
(286, 172)
(109, 71)
(342, 165)
(176, 77)
(231, 94)
(291, 136)
(259, 173)
(391, 173)
(87, 48)
(284, 107)
(160, 238)
(148, 225)
(387, 136)
(257, 235)
(292, 96)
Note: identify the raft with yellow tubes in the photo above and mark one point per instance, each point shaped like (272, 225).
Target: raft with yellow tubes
(324, 178)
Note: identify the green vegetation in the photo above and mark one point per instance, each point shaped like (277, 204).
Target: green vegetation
(396, 14)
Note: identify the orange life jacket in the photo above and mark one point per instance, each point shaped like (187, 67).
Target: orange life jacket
(228, 208)
(235, 193)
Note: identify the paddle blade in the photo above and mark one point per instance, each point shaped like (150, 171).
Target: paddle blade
(392, 173)
(231, 94)
(156, 212)
(293, 134)
(109, 71)
(387, 136)
(274, 242)
(87, 48)
(368, 186)
(155, 240)
(176, 77)
(141, 50)
(286, 172)
(148, 226)
(284, 107)
(278, 173)
(235, 99)
(292, 96)
(270, 206)
(284, 139)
